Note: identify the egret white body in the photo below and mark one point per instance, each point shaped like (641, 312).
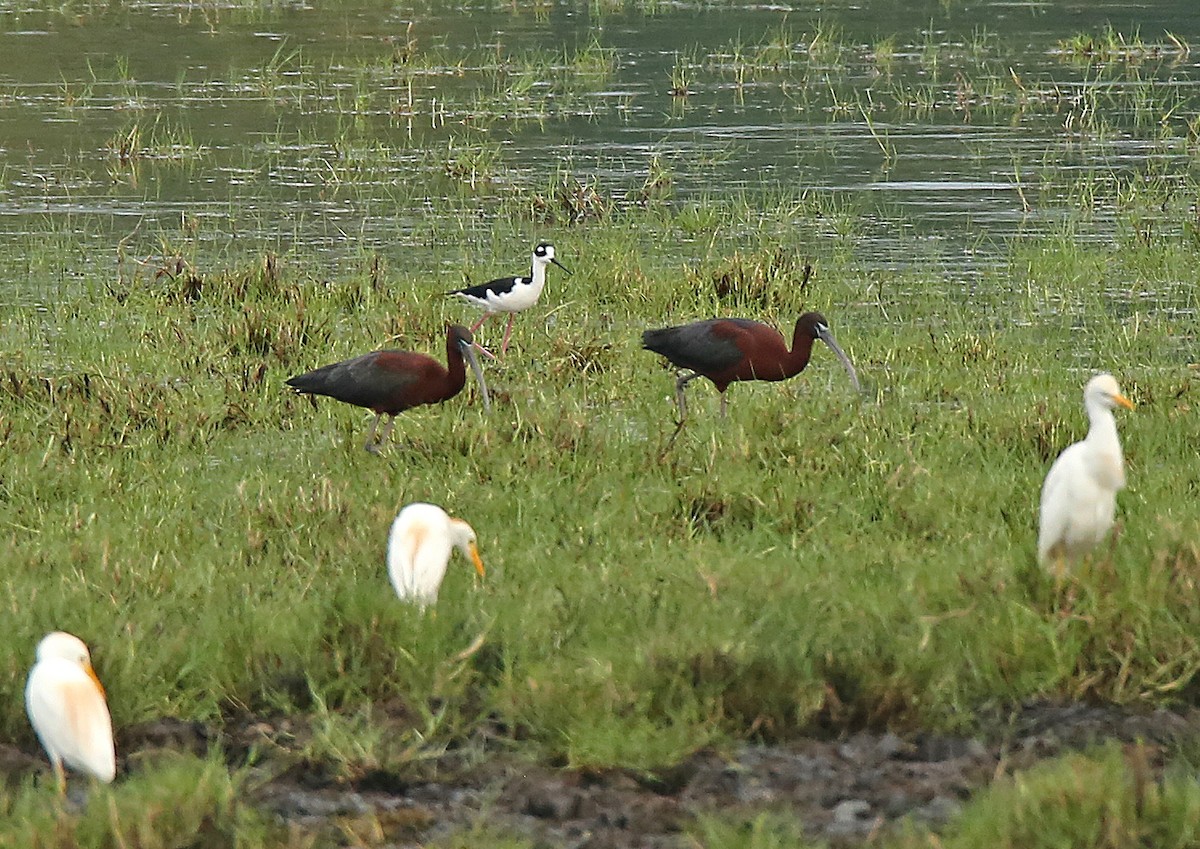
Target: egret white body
(1079, 497)
(67, 708)
(419, 547)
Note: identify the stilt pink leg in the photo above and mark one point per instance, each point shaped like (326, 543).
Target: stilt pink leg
(483, 351)
(507, 333)
(482, 319)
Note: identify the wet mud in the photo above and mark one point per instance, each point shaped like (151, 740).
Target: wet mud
(846, 790)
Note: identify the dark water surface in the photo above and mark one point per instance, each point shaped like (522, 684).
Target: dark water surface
(339, 127)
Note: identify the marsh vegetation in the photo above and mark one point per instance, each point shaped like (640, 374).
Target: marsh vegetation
(820, 566)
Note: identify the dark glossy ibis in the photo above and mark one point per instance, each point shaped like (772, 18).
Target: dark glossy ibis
(511, 294)
(390, 382)
(729, 349)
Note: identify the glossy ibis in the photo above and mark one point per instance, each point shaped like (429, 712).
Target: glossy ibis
(729, 349)
(67, 708)
(419, 547)
(511, 294)
(1079, 497)
(390, 382)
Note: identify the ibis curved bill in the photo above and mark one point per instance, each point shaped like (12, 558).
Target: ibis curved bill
(511, 294)
(67, 708)
(390, 382)
(421, 541)
(726, 350)
(1079, 497)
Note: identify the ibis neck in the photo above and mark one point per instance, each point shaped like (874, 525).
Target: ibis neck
(456, 367)
(802, 344)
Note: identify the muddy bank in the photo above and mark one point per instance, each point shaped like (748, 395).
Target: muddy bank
(844, 790)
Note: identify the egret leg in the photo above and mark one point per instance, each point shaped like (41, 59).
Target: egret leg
(507, 334)
(60, 777)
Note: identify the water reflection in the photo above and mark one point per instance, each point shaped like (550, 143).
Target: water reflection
(960, 122)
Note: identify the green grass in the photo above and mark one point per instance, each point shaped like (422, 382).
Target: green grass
(1106, 798)
(818, 560)
(816, 563)
(182, 801)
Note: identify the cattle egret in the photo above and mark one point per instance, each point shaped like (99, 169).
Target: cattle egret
(1079, 497)
(67, 708)
(419, 547)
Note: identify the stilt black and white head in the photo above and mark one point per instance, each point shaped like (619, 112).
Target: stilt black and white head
(511, 294)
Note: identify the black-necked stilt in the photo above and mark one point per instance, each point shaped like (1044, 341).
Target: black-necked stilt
(511, 294)
(390, 382)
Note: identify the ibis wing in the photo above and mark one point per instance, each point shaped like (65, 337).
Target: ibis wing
(364, 381)
(703, 346)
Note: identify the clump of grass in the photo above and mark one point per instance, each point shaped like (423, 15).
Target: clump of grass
(682, 76)
(1107, 798)
(826, 45)
(658, 185)
(1109, 45)
(767, 830)
(471, 165)
(182, 800)
(759, 283)
(570, 200)
(593, 60)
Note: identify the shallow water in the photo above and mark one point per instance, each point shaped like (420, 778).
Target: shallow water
(337, 128)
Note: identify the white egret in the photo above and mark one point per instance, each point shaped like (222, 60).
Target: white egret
(1079, 497)
(67, 708)
(419, 547)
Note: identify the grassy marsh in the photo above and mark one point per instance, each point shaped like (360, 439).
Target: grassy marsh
(817, 561)
(816, 564)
